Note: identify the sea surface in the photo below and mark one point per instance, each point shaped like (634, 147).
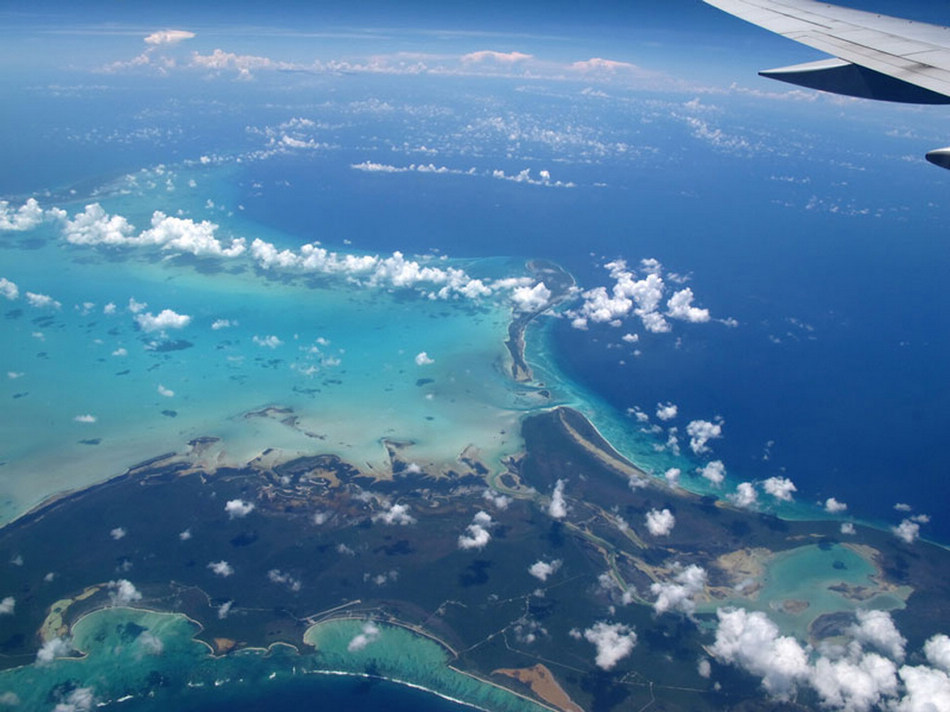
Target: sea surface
(825, 360)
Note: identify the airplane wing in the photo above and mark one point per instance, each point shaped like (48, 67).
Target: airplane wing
(874, 56)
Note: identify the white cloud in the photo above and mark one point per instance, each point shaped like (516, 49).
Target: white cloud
(927, 690)
(52, 649)
(745, 495)
(714, 471)
(666, 411)
(543, 569)
(268, 342)
(184, 535)
(7, 605)
(614, 642)
(529, 299)
(118, 533)
(224, 609)
(488, 55)
(222, 324)
(166, 319)
(752, 641)
(279, 577)
(672, 476)
(680, 306)
(499, 500)
(847, 528)
(833, 506)
(221, 568)
(9, 289)
(701, 432)
(903, 507)
(876, 628)
(422, 359)
(780, 487)
(166, 392)
(937, 650)
(135, 307)
(599, 64)
(42, 301)
(26, 217)
(660, 522)
(679, 594)
(123, 592)
(396, 515)
(907, 531)
(94, 226)
(85, 418)
(476, 535)
(168, 37)
(238, 508)
(557, 509)
(81, 699)
(121, 351)
(185, 235)
(369, 634)
(856, 684)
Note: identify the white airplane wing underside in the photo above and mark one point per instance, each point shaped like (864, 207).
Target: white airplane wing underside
(873, 56)
(912, 57)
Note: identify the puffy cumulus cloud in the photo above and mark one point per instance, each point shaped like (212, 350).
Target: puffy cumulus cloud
(82, 699)
(7, 605)
(185, 235)
(396, 515)
(672, 476)
(423, 359)
(221, 568)
(543, 569)
(499, 500)
(219, 324)
(614, 642)
(267, 342)
(877, 629)
(780, 487)
(714, 471)
(9, 289)
(599, 64)
(243, 64)
(524, 176)
(224, 609)
(163, 37)
(847, 528)
(666, 411)
(833, 506)
(369, 634)
(855, 684)
(907, 531)
(42, 301)
(530, 299)
(85, 418)
(238, 508)
(118, 533)
(26, 217)
(52, 649)
(701, 432)
(927, 690)
(164, 320)
(123, 592)
(557, 509)
(165, 392)
(679, 593)
(660, 522)
(680, 306)
(937, 650)
(94, 226)
(487, 55)
(285, 579)
(391, 272)
(745, 495)
(476, 534)
(752, 642)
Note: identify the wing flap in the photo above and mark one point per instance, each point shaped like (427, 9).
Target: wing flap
(911, 52)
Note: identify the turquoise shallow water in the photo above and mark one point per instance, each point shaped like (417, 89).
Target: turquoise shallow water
(136, 659)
